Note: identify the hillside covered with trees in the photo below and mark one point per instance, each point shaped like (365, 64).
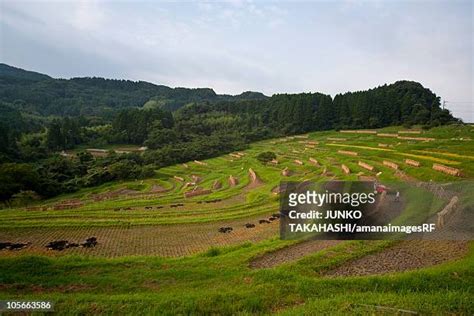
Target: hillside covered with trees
(41, 116)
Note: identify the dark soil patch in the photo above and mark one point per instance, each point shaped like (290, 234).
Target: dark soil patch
(407, 255)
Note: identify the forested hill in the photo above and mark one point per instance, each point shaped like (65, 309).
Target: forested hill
(403, 102)
(40, 94)
(12, 73)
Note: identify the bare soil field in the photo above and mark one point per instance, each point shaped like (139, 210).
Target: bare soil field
(407, 255)
(160, 240)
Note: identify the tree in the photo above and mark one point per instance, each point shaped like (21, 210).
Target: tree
(266, 157)
(125, 169)
(159, 137)
(16, 177)
(54, 137)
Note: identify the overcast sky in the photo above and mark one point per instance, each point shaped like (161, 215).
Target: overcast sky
(234, 46)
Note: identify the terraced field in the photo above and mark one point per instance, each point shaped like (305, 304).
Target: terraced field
(160, 217)
(160, 203)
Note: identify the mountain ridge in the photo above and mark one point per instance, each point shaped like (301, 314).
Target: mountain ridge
(96, 95)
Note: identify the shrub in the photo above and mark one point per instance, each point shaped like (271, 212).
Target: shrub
(266, 156)
(213, 252)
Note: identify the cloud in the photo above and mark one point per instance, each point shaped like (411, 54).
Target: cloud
(233, 46)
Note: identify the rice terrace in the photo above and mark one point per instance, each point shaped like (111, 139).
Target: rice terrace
(213, 225)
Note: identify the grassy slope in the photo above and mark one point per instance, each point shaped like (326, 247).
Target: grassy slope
(219, 281)
(223, 284)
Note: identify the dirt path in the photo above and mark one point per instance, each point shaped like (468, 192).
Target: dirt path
(291, 253)
(407, 255)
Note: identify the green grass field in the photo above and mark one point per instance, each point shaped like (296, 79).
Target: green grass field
(157, 258)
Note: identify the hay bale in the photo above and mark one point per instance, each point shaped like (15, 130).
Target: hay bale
(387, 135)
(312, 142)
(310, 146)
(240, 154)
(234, 155)
(314, 161)
(383, 145)
(286, 172)
(201, 163)
(96, 151)
(424, 139)
(274, 162)
(448, 170)
(390, 164)
(360, 131)
(298, 162)
(413, 163)
(337, 139)
(329, 174)
(345, 169)
(217, 185)
(179, 178)
(296, 151)
(347, 152)
(280, 188)
(302, 136)
(188, 184)
(185, 165)
(366, 166)
(233, 181)
(447, 212)
(253, 176)
(196, 178)
(409, 132)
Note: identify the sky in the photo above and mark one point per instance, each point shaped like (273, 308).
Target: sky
(240, 45)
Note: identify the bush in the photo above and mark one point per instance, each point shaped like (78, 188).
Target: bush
(266, 157)
(23, 198)
(213, 252)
